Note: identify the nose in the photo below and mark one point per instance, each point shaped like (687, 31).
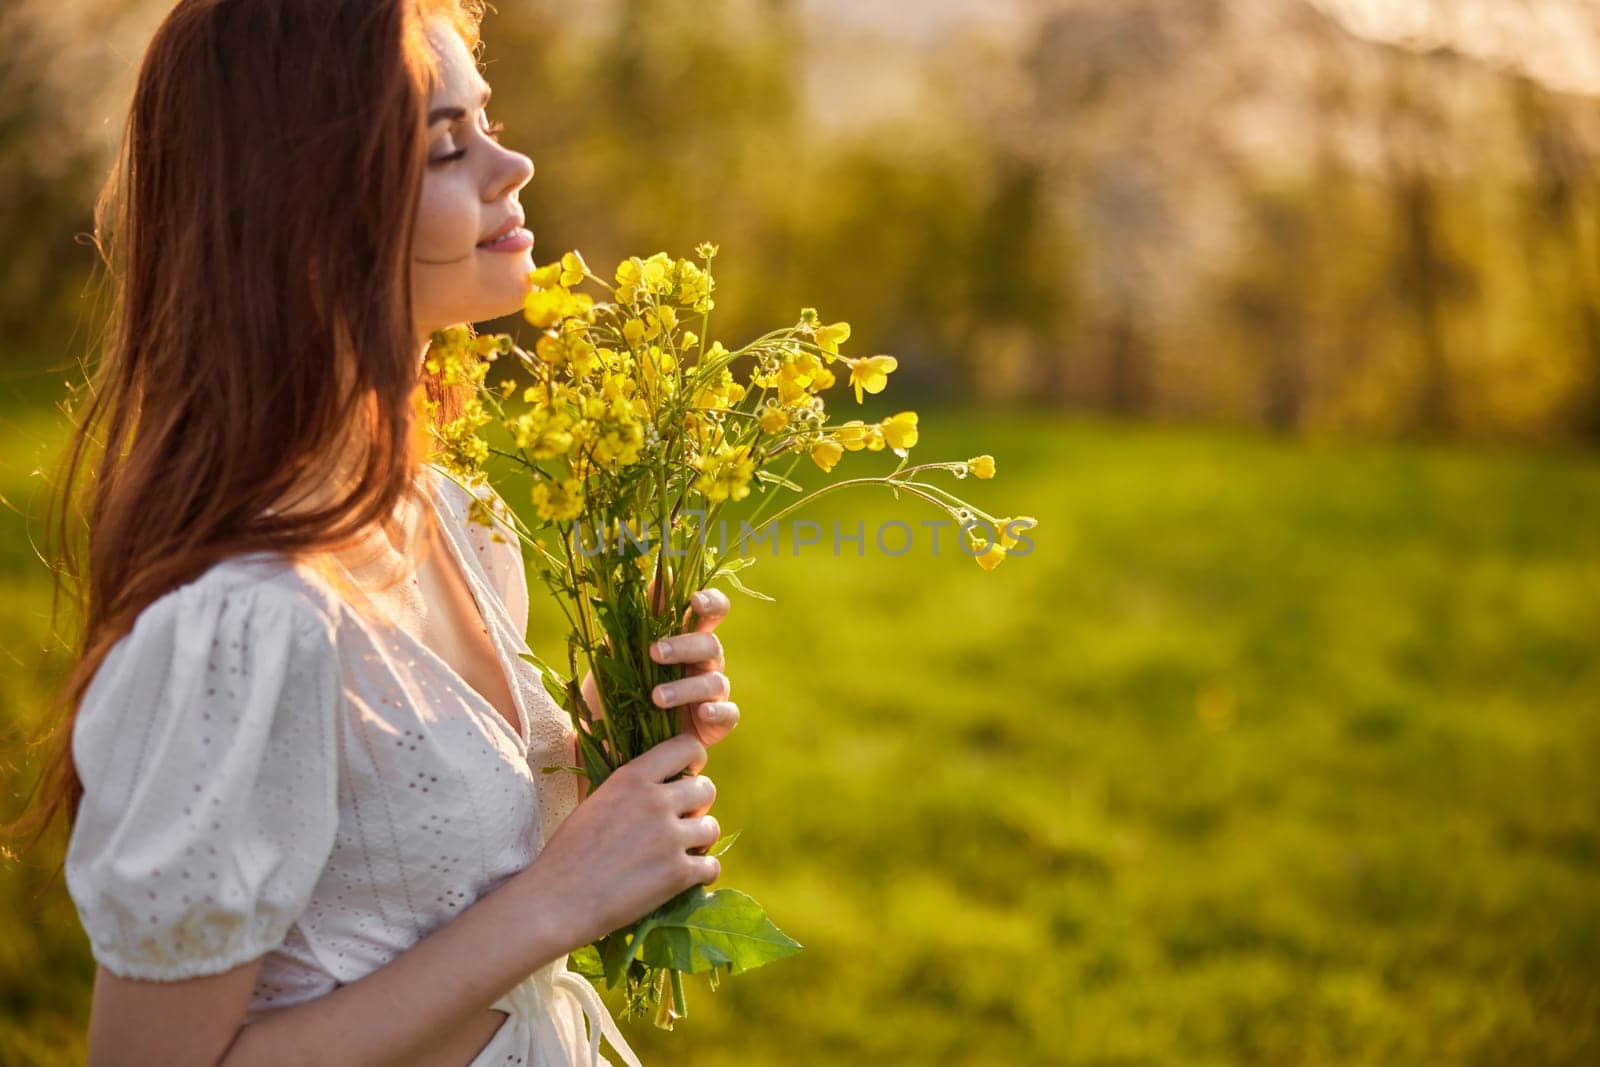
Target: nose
(517, 171)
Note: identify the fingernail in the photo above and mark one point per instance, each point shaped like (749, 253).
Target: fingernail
(701, 601)
(664, 695)
(715, 713)
(662, 648)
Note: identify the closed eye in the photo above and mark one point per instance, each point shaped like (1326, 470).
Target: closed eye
(492, 131)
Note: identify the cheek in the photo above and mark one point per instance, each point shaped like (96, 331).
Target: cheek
(447, 219)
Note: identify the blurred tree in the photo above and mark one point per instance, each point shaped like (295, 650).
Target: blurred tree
(1560, 220)
(49, 170)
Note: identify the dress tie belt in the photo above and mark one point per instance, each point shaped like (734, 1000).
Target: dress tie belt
(537, 1000)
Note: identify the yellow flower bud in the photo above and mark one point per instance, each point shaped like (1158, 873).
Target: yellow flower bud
(990, 559)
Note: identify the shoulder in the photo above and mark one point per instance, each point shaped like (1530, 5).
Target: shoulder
(261, 615)
(265, 579)
(242, 592)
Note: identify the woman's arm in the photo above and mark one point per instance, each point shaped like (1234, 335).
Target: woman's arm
(429, 1005)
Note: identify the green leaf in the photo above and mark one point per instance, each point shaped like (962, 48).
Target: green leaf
(734, 581)
(697, 931)
(722, 843)
(586, 961)
(619, 671)
(553, 684)
(594, 758)
(616, 955)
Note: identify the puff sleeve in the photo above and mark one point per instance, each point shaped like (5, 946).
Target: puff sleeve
(207, 745)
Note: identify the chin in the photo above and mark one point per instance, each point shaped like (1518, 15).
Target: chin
(503, 295)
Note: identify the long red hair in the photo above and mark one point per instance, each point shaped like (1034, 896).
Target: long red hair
(256, 232)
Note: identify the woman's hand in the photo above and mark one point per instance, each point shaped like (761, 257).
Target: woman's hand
(635, 844)
(701, 695)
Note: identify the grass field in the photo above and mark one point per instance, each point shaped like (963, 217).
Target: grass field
(1271, 752)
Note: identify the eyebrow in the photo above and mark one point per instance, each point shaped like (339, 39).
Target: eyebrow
(455, 113)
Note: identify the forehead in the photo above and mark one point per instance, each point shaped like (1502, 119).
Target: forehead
(459, 81)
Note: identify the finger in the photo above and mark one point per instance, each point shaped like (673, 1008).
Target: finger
(712, 685)
(709, 606)
(656, 603)
(678, 752)
(700, 832)
(591, 696)
(701, 650)
(692, 796)
(711, 722)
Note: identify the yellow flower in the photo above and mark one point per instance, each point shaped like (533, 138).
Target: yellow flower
(981, 466)
(773, 419)
(629, 274)
(791, 390)
(828, 337)
(694, 287)
(721, 393)
(826, 453)
(725, 474)
(561, 504)
(573, 268)
(871, 373)
(550, 349)
(583, 359)
(542, 432)
(900, 430)
(657, 270)
(542, 307)
(1021, 524)
(633, 330)
(546, 307)
(852, 435)
(991, 558)
(545, 276)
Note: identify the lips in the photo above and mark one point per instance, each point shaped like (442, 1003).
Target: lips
(506, 227)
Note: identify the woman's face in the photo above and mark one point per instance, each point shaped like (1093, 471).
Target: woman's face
(469, 194)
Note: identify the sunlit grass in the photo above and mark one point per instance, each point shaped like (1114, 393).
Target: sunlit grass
(1270, 753)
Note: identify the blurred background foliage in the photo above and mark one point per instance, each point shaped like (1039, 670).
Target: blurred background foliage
(1263, 211)
(1282, 315)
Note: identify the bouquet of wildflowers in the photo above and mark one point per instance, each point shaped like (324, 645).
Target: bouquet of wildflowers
(637, 432)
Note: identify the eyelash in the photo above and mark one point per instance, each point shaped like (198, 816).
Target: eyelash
(493, 132)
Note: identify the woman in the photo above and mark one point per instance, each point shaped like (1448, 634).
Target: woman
(309, 822)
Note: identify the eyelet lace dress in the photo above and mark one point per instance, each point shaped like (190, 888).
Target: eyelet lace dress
(269, 773)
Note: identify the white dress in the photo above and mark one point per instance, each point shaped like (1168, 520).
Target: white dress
(269, 773)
